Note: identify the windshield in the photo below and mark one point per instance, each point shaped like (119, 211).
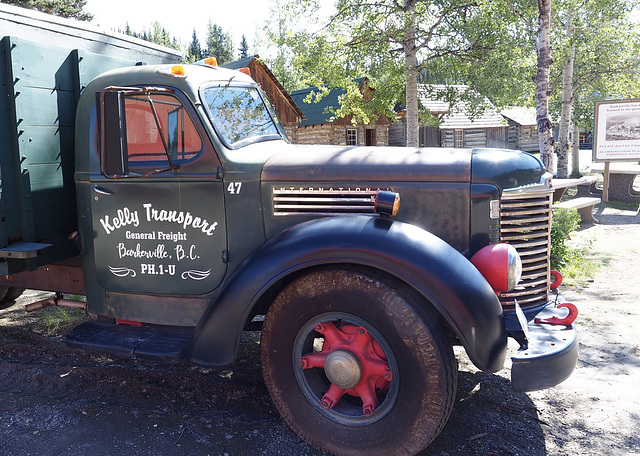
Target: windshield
(240, 115)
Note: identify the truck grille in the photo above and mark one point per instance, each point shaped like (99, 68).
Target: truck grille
(323, 201)
(525, 223)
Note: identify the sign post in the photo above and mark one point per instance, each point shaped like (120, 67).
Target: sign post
(616, 135)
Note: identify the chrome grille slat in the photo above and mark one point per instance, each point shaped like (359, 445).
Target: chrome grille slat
(322, 202)
(525, 223)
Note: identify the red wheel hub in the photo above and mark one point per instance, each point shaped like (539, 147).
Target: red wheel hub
(354, 363)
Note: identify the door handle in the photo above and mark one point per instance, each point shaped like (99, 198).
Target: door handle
(101, 191)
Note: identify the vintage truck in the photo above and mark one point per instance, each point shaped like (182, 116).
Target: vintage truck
(170, 196)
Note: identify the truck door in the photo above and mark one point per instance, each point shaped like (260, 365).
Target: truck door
(157, 204)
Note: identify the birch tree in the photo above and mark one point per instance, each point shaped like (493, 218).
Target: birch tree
(392, 43)
(598, 49)
(564, 144)
(543, 90)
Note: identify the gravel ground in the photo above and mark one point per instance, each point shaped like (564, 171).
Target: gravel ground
(57, 400)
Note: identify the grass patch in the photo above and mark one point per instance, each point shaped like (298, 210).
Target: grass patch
(56, 321)
(579, 267)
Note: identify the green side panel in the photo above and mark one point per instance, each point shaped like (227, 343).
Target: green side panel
(40, 85)
(46, 91)
(92, 65)
(10, 223)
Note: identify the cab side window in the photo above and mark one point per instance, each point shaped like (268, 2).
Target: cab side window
(159, 129)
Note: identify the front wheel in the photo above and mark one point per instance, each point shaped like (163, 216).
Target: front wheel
(9, 295)
(355, 365)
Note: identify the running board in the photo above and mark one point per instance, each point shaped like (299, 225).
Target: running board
(130, 341)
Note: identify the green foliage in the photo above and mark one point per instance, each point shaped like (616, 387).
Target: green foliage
(156, 34)
(62, 8)
(564, 221)
(606, 42)
(569, 258)
(387, 42)
(489, 45)
(485, 44)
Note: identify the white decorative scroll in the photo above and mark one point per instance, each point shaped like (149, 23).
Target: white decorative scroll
(122, 272)
(194, 274)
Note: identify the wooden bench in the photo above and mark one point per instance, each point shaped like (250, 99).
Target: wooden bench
(584, 205)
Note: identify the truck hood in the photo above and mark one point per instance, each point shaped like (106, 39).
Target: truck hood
(375, 164)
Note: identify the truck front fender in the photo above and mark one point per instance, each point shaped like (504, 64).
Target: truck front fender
(425, 262)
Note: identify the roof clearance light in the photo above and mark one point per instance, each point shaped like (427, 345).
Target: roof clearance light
(387, 203)
(176, 71)
(211, 61)
(246, 71)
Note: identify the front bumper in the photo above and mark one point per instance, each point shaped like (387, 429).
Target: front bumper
(548, 358)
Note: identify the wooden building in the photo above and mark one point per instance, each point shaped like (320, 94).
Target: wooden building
(458, 127)
(523, 128)
(320, 127)
(513, 128)
(288, 112)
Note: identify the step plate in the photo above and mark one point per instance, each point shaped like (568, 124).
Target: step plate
(130, 341)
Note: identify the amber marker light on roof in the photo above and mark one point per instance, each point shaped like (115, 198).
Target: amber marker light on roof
(245, 70)
(211, 61)
(176, 71)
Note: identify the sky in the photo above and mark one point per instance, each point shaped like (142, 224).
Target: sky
(181, 17)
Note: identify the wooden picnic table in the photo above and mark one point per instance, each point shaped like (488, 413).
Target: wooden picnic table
(620, 181)
(585, 184)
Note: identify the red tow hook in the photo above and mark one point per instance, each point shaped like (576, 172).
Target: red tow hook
(557, 279)
(567, 320)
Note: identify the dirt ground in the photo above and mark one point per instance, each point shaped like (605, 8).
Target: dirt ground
(57, 400)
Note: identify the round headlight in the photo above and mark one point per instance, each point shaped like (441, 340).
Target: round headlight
(500, 264)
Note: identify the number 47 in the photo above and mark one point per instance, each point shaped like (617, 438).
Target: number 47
(234, 188)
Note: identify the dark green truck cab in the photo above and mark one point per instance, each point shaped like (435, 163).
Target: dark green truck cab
(197, 220)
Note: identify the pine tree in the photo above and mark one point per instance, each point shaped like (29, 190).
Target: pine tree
(194, 51)
(219, 44)
(62, 8)
(244, 48)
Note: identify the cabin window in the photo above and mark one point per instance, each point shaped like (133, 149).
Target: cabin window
(458, 138)
(352, 137)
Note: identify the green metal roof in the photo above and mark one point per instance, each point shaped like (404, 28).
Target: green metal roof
(242, 63)
(316, 113)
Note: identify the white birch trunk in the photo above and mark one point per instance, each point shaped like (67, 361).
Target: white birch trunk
(411, 75)
(543, 91)
(575, 152)
(566, 112)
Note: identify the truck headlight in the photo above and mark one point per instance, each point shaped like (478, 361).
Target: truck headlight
(500, 264)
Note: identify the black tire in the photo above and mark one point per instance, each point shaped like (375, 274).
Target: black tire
(9, 296)
(413, 406)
